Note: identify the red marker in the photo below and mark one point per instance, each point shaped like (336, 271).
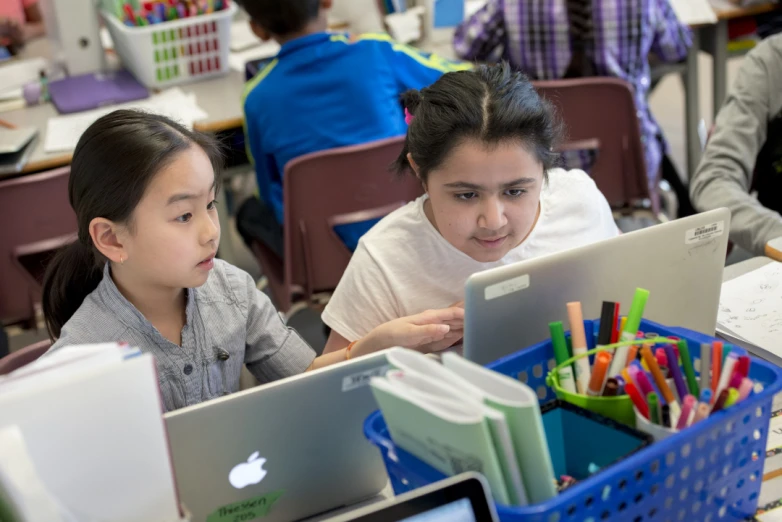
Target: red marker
(742, 366)
(129, 12)
(617, 320)
(638, 401)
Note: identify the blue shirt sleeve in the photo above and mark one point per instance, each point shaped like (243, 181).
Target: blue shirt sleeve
(415, 69)
(266, 172)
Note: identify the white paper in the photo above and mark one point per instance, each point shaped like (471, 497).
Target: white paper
(63, 132)
(15, 74)
(751, 307)
(242, 36)
(694, 12)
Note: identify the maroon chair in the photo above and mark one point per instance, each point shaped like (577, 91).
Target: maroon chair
(26, 355)
(37, 219)
(603, 111)
(322, 190)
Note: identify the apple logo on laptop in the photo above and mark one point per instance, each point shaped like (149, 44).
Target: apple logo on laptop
(247, 473)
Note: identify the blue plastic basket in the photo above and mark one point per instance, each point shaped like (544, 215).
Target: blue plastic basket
(710, 472)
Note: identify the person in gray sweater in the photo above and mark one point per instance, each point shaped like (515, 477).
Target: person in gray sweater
(741, 168)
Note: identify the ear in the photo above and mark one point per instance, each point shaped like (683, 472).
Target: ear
(260, 32)
(416, 169)
(105, 236)
(326, 4)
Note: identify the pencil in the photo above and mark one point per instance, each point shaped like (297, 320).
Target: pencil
(7, 124)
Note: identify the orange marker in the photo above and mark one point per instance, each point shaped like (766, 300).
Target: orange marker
(599, 371)
(632, 353)
(716, 367)
(657, 374)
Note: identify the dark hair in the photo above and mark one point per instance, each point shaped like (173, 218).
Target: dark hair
(113, 164)
(490, 103)
(282, 17)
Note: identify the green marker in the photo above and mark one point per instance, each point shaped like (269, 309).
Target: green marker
(654, 410)
(689, 371)
(565, 374)
(630, 330)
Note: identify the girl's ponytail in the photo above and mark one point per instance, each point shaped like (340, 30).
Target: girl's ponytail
(70, 277)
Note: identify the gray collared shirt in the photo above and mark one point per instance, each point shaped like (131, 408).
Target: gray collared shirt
(229, 323)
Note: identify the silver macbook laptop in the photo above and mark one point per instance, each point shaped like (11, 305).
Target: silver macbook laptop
(284, 451)
(680, 263)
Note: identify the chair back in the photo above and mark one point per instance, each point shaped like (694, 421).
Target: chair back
(36, 219)
(25, 356)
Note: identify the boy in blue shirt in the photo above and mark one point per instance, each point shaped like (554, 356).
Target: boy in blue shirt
(322, 91)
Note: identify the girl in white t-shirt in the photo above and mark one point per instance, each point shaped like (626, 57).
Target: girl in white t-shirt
(481, 142)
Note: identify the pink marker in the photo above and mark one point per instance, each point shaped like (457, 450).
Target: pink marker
(735, 380)
(687, 406)
(745, 388)
(701, 412)
(644, 383)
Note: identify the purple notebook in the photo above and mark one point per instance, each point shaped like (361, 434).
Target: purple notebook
(89, 91)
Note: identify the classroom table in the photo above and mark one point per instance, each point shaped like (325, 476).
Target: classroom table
(739, 269)
(219, 97)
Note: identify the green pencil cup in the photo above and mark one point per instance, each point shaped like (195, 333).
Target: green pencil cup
(618, 408)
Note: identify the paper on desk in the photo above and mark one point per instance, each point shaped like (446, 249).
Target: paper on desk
(63, 132)
(16, 73)
(242, 36)
(694, 12)
(238, 60)
(751, 307)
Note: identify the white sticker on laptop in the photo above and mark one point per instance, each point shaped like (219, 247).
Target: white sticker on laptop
(357, 380)
(506, 287)
(704, 233)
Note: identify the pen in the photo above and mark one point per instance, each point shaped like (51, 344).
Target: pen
(720, 402)
(705, 380)
(716, 367)
(676, 373)
(732, 398)
(599, 371)
(606, 323)
(565, 373)
(727, 371)
(611, 387)
(688, 405)
(578, 339)
(638, 400)
(665, 416)
(745, 388)
(657, 374)
(689, 371)
(630, 329)
(654, 408)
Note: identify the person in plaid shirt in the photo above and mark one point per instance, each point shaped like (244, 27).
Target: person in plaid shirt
(606, 38)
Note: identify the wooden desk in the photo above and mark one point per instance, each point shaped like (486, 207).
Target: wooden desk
(219, 97)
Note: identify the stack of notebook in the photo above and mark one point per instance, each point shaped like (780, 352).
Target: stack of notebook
(458, 416)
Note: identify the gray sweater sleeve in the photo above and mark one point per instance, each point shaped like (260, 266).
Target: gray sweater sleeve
(724, 176)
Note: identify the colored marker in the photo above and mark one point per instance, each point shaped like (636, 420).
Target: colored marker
(665, 416)
(654, 408)
(745, 388)
(638, 400)
(644, 385)
(701, 412)
(743, 365)
(611, 388)
(706, 396)
(716, 367)
(606, 323)
(565, 374)
(617, 321)
(129, 14)
(630, 329)
(720, 402)
(727, 371)
(599, 371)
(705, 376)
(732, 398)
(621, 383)
(578, 338)
(688, 405)
(659, 379)
(678, 380)
(632, 354)
(689, 370)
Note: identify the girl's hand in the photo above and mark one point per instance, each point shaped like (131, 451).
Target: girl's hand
(429, 331)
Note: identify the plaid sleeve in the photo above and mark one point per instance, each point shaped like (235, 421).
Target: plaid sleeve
(672, 39)
(482, 37)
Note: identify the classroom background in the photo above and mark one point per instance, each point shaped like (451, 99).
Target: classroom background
(61, 76)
